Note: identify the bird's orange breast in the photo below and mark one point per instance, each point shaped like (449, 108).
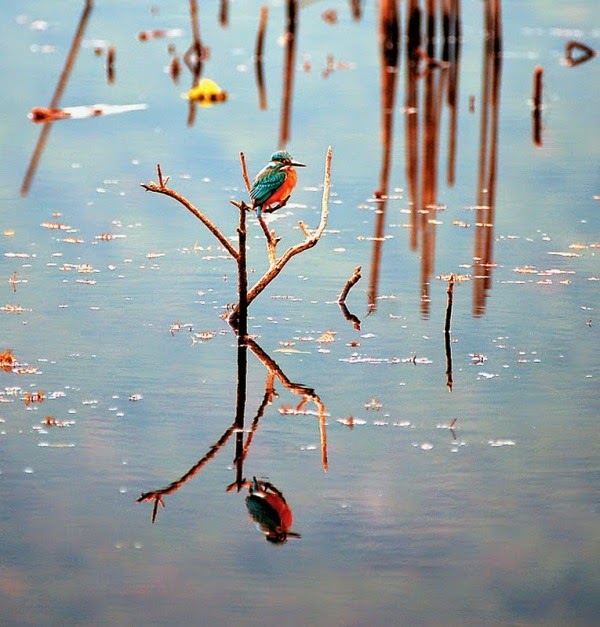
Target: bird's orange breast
(286, 188)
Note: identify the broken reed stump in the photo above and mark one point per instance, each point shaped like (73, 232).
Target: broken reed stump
(356, 275)
(538, 87)
(349, 284)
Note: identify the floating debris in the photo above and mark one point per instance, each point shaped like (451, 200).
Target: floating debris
(57, 226)
(563, 254)
(7, 360)
(350, 422)
(43, 115)
(497, 443)
(34, 397)
(51, 421)
(14, 309)
(206, 93)
(160, 33)
(477, 358)
(327, 337)
(373, 404)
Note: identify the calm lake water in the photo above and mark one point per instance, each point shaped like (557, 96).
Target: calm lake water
(416, 505)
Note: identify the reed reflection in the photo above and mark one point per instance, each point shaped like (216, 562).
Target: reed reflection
(258, 58)
(433, 52)
(288, 71)
(272, 498)
(193, 58)
(389, 41)
(439, 78)
(58, 93)
(488, 157)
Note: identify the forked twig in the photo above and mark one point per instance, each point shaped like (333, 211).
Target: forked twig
(161, 188)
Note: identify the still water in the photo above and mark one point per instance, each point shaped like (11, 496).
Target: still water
(432, 478)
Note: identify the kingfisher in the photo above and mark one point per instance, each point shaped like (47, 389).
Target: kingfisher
(273, 185)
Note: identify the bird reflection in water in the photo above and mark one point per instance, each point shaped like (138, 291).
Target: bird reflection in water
(269, 509)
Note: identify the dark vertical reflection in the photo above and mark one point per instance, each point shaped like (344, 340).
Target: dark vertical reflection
(288, 71)
(242, 350)
(453, 43)
(411, 112)
(536, 113)
(488, 153)
(432, 75)
(429, 156)
(60, 88)
(389, 39)
(224, 13)
(193, 58)
(356, 8)
(258, 57)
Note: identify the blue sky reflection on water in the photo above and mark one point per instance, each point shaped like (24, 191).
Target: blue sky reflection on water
(493, 522)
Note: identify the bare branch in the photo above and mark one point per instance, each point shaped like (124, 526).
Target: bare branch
(161, 188)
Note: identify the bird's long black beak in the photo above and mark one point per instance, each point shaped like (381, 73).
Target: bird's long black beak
(298, 165)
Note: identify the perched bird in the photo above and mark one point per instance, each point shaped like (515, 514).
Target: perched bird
(274, 183)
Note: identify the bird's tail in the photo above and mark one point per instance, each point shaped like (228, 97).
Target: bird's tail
(258, 211)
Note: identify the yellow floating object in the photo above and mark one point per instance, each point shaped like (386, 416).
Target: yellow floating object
(207, 93)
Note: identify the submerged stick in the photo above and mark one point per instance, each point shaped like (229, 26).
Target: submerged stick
(447, 342)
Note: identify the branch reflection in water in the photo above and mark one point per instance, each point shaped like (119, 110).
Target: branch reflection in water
(272, 512)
